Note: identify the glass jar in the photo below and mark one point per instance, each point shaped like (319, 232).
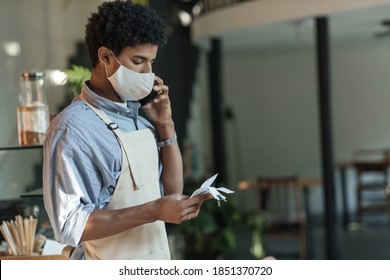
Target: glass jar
(33, 112)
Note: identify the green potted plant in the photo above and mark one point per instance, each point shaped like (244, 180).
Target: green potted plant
(257, 224)
(76, 75)
(212, 235)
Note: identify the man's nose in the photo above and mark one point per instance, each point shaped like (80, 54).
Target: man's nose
(147, 68)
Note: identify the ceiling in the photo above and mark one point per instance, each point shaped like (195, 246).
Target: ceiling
(353, 26)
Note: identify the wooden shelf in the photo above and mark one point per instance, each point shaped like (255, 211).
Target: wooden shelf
(34, 193)
(34, 257)
(21, 147)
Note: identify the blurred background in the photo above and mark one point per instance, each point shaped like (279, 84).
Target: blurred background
(244, 83)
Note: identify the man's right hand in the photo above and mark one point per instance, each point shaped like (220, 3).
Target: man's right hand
(177, 208)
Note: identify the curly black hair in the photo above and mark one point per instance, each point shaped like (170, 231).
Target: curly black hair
(119, 24)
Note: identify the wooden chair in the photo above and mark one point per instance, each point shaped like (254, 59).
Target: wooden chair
(372, 177)
(280, 200)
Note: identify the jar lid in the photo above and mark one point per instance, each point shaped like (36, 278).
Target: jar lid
(32, 75)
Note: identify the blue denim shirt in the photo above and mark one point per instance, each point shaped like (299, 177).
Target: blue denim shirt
(82, 162)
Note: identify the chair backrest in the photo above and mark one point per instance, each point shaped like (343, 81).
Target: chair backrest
(371, 155)
(281, 203)
(371, 164)
(280, 199)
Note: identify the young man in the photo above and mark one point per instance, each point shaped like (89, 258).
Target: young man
(112, 178)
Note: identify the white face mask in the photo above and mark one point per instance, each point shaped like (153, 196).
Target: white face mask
(131, 85)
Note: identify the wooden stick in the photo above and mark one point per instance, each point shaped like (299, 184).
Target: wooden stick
(30, 235)
(27, 234)
(34, 223)
(8, 236)
(15, 237)
(21, 239)
(22, 234)
(7, 239)
(19, 227)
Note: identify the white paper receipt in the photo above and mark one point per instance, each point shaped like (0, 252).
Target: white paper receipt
(215, 192)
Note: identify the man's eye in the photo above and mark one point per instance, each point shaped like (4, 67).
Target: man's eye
(137, 62)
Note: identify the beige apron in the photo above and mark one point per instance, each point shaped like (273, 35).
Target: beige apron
(138, 183)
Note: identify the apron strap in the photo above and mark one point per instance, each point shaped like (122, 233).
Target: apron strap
(115, 129)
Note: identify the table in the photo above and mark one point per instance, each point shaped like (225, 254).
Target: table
(34, 193)
(308, 182)
(304, 182)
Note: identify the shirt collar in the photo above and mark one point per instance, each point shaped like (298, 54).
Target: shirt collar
(103, 103)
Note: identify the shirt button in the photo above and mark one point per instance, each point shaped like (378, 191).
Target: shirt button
(118, 113)
(128, 111)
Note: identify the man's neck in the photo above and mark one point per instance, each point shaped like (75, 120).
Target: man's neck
(101, 86)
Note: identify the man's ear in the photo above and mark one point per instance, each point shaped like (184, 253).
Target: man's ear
(104, 55)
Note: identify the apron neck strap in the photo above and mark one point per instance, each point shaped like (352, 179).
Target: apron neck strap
(110, 124)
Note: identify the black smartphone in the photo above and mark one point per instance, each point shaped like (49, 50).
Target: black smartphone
(148, 98)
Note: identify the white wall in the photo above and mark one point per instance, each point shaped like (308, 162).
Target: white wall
(273, 95)
(361, 97)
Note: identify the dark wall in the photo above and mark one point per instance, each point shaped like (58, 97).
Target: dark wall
(176, 62)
